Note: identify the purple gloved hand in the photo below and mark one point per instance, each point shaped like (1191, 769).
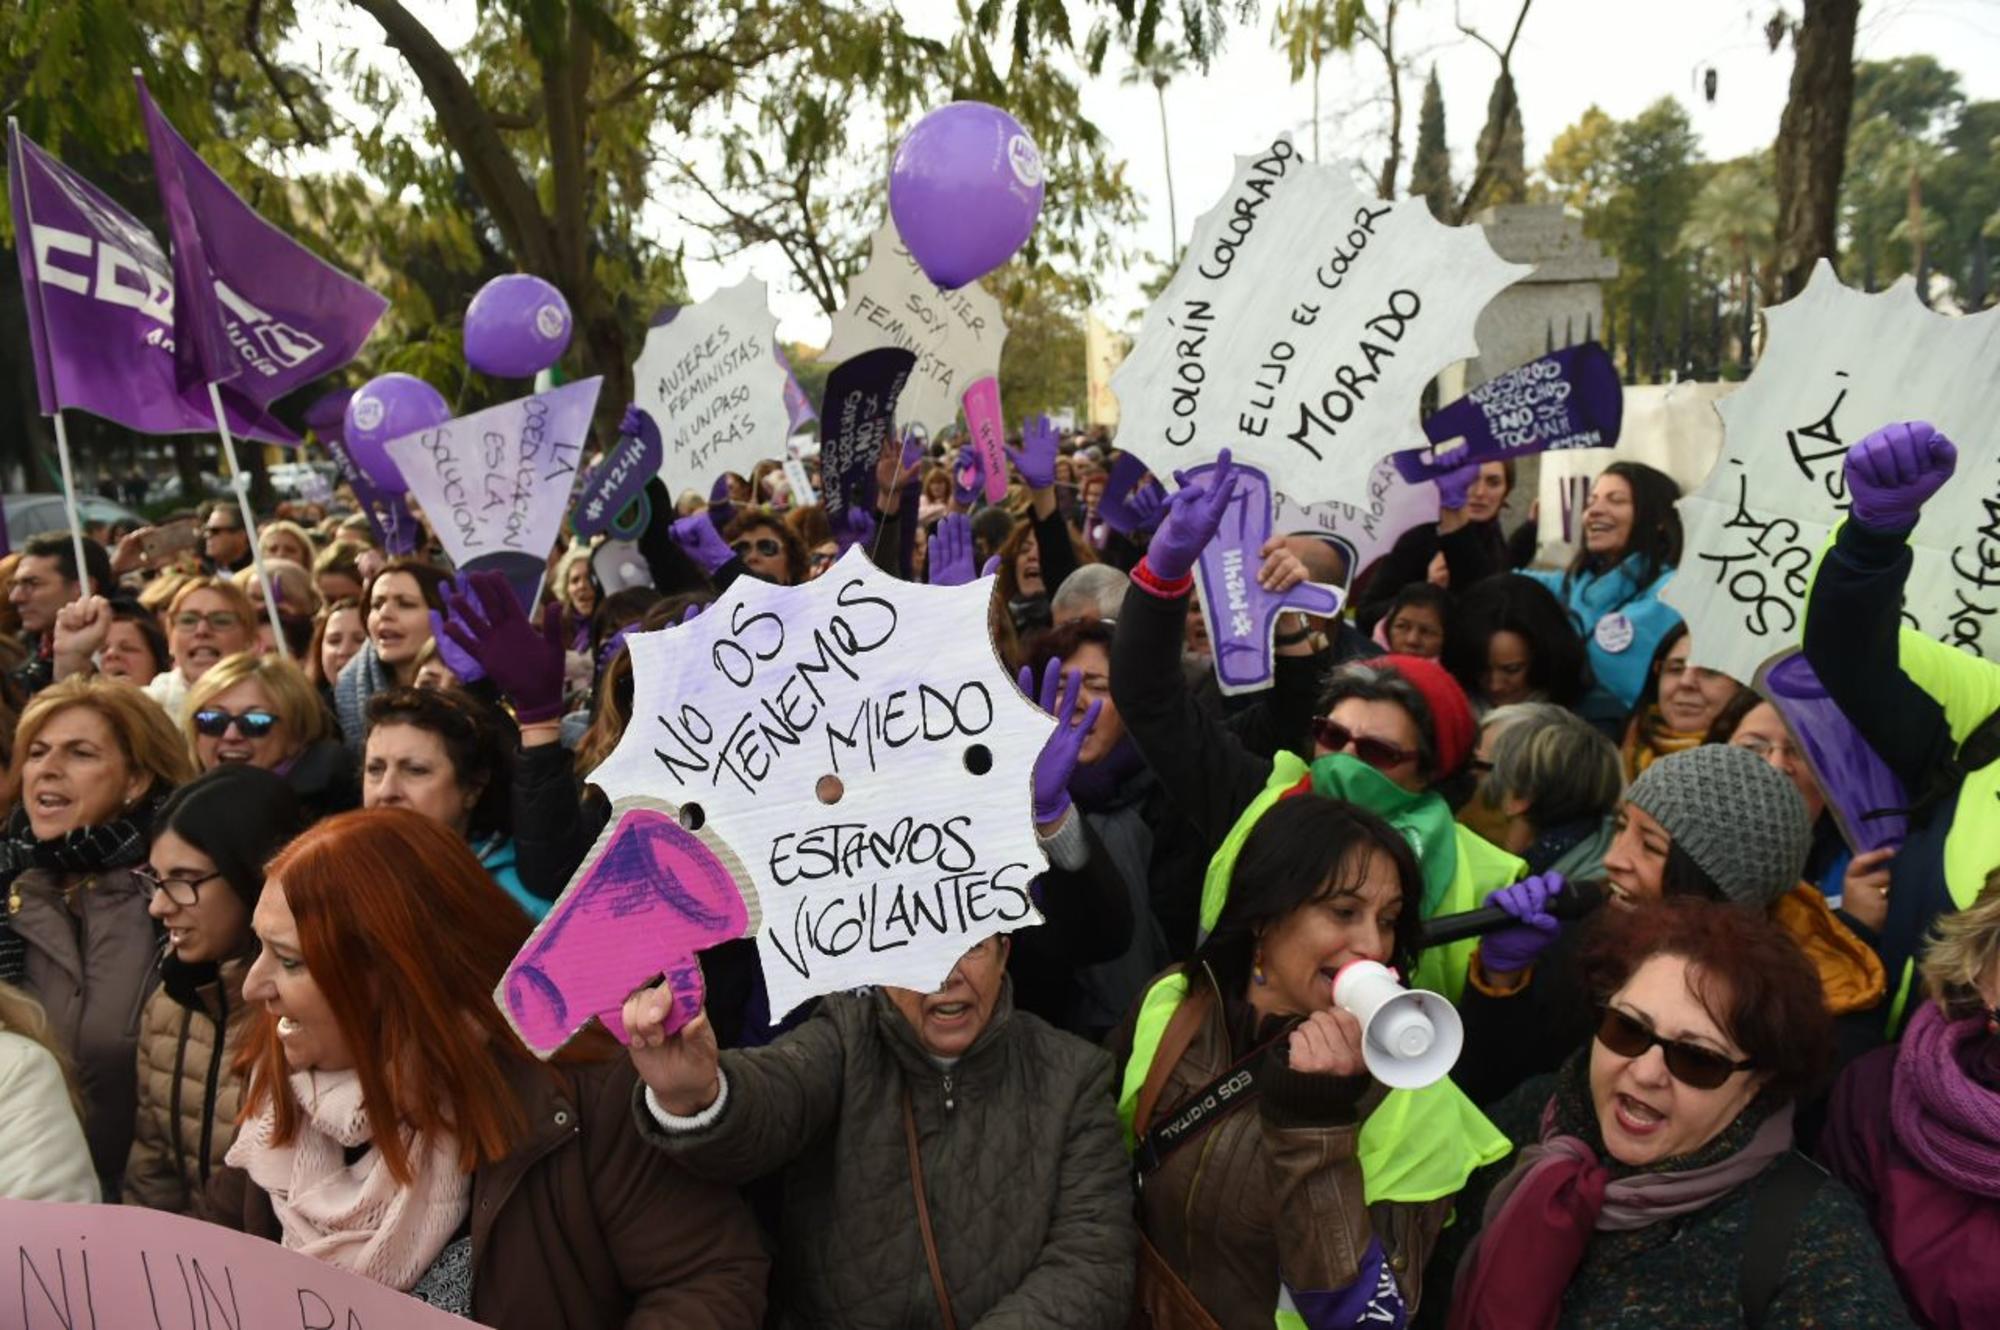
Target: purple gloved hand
(854, 526)
(1894, 470)
(992, 566)
(721, 508)
(1035, 459)
(949, 562)
(1148, 506)
(1516, 947)
(524, 663)
(1194, 515)
(968, 477)
(1455, 487)
(454, 657)
(1057, 762)
(697, 536)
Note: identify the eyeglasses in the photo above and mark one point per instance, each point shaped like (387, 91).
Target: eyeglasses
(220, 620)
(1377, 753)
(215, 722)
(1765, 748)
(180, 890)
(1690, 1064)
(765, 546)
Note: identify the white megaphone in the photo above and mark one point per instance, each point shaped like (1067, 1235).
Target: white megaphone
(1410, 1037)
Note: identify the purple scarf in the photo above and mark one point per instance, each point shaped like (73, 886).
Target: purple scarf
(1947, 1121)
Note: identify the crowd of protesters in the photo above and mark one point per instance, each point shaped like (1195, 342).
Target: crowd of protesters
(265, 862)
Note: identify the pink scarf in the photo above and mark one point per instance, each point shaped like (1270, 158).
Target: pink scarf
(1540, 1219)
(1946, 1120)
(353, 1216)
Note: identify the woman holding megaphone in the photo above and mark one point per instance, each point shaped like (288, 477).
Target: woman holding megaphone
(1278, 1173)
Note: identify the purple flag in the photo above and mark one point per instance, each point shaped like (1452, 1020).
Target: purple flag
(1241, 614)
(257, 310)
(100, 298)
(1567, 399)
(1869, 803)
(797, 403)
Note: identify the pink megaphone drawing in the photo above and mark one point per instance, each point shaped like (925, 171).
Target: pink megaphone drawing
(649, 896)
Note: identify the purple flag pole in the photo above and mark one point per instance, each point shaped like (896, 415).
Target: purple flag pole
(239, 483)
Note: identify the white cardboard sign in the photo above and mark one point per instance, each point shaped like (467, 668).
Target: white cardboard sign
(498, 481)
(1301, 328)
(1837, 365)
(955, 335)
(710, 379)
(1369, 529)
(928, 844)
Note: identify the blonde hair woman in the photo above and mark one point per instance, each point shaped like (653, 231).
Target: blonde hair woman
(210, 618)
(47, 1158)
(93, 760)
(288, 541)
(265, 712)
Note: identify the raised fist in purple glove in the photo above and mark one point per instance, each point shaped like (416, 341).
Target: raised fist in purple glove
(1455, 487)
(1194, 515)
(853, 527)
(697, 536)
(1516, 946)
(1894, 470)
(1058, 696)
(1035, 459)
(524, 663)
(949, 561)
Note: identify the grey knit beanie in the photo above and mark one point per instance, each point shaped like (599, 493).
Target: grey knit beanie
(1741, 820)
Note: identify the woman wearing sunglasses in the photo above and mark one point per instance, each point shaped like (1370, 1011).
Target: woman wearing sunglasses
(208, 619)
(1656, 1181)
(93, 759)
(767, 547)
(263, 711)
(211, 841)
(1391, 734)
(1713, 822)
(1915, 1129)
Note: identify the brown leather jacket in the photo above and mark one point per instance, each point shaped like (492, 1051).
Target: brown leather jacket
(188, 1096)
(1271, 1192)
(91, 955)
(582, 1226)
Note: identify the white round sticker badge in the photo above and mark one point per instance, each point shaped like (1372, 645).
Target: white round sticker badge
(1614, 633)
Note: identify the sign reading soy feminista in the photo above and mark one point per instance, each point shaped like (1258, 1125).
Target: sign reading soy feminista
(955, 335)
(1838, 364)
(710, 379)
(1301, 328)
(863, 756)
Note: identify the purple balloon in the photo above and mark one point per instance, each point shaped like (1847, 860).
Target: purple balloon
(389, 406)
(516, 327)
(964, 189)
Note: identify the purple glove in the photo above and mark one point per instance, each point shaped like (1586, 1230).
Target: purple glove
(526, 665)
(1454, 487)
(455, 658)
(722, 508)
(992, 567)
(949, 562)
(1058, 756)
(1148, 506)
(697, 536)
(1194, 515)
(1035, 459)
(1892, 471)
(1516, 947)
(853, 527)
(968, 477)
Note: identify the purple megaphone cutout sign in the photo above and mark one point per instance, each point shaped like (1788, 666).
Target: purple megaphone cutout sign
(650, 895)
(618, 482)
(1241, 614)
(1866, 798)
(1567, 399)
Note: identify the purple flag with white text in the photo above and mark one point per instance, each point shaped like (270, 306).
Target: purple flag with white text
(100, 298)
(257, 309)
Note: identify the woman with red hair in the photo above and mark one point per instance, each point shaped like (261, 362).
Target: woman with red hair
(1655, 1181)
(396, 1127)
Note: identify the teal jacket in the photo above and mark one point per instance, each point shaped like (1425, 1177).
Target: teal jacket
(1619, 660)
(496, 855)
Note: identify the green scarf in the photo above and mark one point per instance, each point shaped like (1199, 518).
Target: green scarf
(1423, 817)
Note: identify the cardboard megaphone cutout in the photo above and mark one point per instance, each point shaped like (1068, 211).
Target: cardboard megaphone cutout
(1410, 1037)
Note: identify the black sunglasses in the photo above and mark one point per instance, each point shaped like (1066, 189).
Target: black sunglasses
(1377, 753)
(1690, 1064)
(765, 546)
(215, 722)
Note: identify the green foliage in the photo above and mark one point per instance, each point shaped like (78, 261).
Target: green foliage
(1635, 183)
(1430, 169)
(1042, 365)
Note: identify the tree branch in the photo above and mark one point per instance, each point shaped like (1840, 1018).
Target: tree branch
(1482, 175)
(253, 18)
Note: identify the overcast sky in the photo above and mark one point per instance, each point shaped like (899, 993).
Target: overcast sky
(1619, 54)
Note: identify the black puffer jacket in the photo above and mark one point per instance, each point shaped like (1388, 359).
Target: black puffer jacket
(1023, 1168)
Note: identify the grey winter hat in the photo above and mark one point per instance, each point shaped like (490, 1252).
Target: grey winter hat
(1741, 820)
